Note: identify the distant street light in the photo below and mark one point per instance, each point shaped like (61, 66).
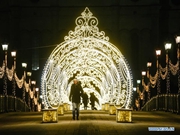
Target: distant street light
(29, 74)
(149, 64)
(37, 89)
(24, 65)
(5, 47)
(138, 92)
(138, 81)
(33, 82)
(143, 73)
(34, 90)
(167, 46)
(177, 39)
(158, 53)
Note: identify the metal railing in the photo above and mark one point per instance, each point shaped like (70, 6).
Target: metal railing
(163, 102)
(10, 104)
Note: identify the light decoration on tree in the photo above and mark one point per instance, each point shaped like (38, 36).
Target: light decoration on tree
(87, 54)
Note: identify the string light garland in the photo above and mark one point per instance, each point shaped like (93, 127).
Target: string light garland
(163, 73)
(10, 74)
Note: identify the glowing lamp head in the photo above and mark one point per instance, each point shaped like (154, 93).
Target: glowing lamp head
(13, 54)
(177, 39)
(24, 65)
(37, 89)
(149, 64)
(138, 81)
(143, 73)
(41, 96)
(167, 46)
(33, 82)
(5, 47)
(29, 73)
(158, 52)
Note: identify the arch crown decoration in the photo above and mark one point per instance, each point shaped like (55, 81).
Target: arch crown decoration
(87, 54)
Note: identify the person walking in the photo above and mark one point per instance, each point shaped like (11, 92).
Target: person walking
(75, 95)
(85, 100)
(92, 99)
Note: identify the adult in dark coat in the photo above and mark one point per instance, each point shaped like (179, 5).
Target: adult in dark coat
(75, 96)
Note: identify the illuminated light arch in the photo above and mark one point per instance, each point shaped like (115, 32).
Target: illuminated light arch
(87, 54)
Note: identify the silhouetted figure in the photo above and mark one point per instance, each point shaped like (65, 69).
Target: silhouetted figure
(75, 94)
(85, 100)
(92, 99)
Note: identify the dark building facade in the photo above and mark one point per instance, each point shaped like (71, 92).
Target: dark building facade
(136, 27)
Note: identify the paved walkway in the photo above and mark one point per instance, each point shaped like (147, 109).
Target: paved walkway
(90, 123)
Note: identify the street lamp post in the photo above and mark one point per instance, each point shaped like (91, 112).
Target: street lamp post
(158, 53)
(178, 57)
(29, 98)
(33, 88)
(167, 48)
(37, 97)
(143, 73)
(13, 54)
(138, 91)
(134, 98)
(149, 64)
(24, 65)
(5, 48)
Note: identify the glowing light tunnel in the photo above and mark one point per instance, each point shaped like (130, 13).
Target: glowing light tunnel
(87, 54)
